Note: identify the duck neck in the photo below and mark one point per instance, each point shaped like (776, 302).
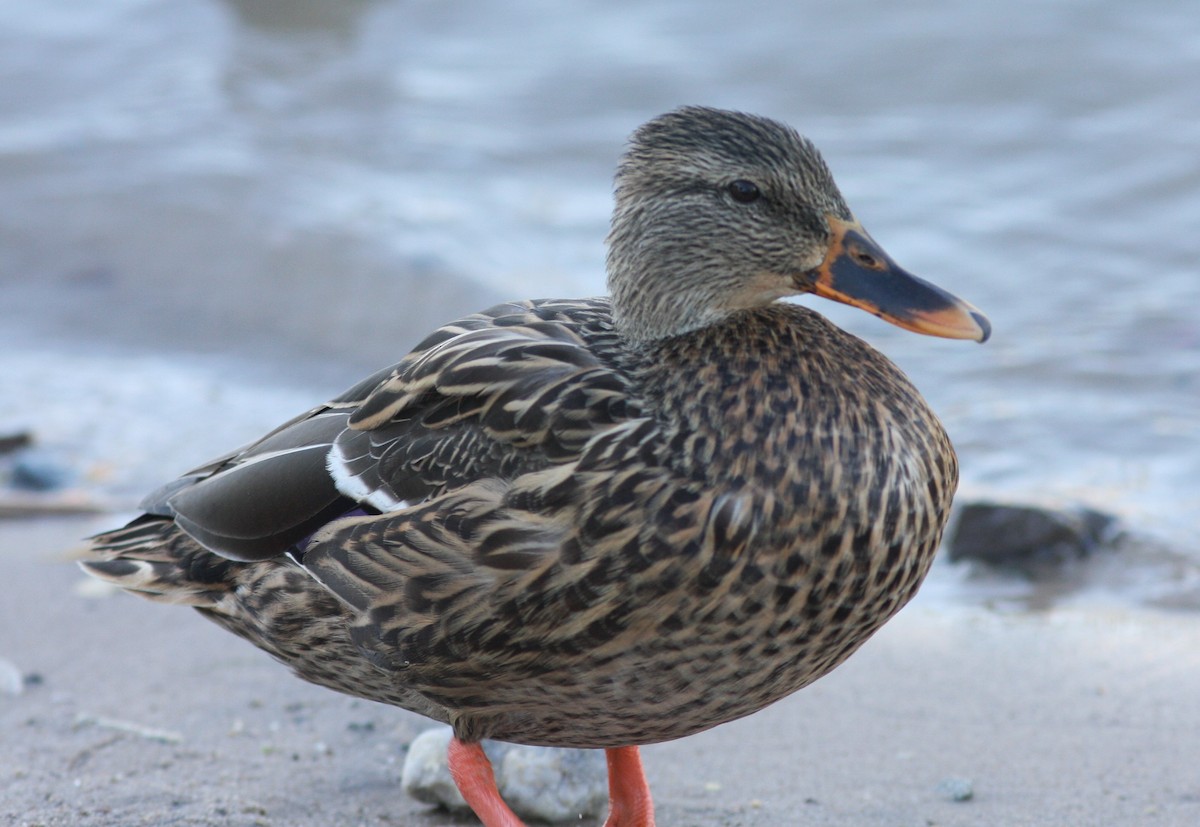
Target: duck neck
(646, 312)
(646, 269)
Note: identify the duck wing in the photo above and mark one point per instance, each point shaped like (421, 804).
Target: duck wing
(497, 395)
(491, 396)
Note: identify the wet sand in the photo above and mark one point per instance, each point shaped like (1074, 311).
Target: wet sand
(137, 714)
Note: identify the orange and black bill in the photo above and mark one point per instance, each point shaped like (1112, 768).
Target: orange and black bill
(858, 272)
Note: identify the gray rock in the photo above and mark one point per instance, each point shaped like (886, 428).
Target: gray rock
(537, 782)
(554, 784)
(426, 776)
(1029, 539)
(956, 789)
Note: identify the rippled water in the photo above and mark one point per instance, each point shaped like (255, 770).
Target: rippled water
(214, 212)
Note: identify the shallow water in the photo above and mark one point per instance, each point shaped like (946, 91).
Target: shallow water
(213, 213)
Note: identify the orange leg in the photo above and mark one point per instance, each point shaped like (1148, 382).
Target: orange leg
(629, 803)
(472, 773)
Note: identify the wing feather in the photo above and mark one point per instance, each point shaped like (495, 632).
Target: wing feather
(494, 395)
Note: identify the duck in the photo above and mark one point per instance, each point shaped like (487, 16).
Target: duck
(602, 522)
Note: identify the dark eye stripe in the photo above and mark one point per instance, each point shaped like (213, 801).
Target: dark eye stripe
(743, 191)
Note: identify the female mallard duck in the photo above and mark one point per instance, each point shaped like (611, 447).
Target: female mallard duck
(600, 522)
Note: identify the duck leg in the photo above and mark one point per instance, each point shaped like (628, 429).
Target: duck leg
(629, 803)
(472, 774)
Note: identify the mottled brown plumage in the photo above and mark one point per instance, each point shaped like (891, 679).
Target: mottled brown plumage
(597, 523)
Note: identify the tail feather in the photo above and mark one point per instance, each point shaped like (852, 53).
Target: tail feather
(152, 558)
(274, 604)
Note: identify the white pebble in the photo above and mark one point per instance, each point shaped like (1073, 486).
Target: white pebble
(537, 782)
(12, 682)
(956, 789)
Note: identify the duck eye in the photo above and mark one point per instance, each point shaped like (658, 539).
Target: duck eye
(743, 191)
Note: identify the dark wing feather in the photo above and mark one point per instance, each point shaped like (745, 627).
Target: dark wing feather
(274, 495)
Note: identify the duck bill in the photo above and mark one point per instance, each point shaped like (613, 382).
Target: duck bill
(858, 272)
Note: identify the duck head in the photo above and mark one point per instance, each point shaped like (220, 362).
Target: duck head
(720, 211)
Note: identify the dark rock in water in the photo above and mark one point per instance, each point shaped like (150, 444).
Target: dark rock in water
(15, 442)
(1027, 538)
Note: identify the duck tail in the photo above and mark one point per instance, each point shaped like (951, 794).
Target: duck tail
(153, 558)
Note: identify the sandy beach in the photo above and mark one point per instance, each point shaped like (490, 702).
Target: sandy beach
(216, 213)
(137, 714)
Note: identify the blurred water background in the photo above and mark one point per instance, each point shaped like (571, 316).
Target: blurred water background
(215, 212)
